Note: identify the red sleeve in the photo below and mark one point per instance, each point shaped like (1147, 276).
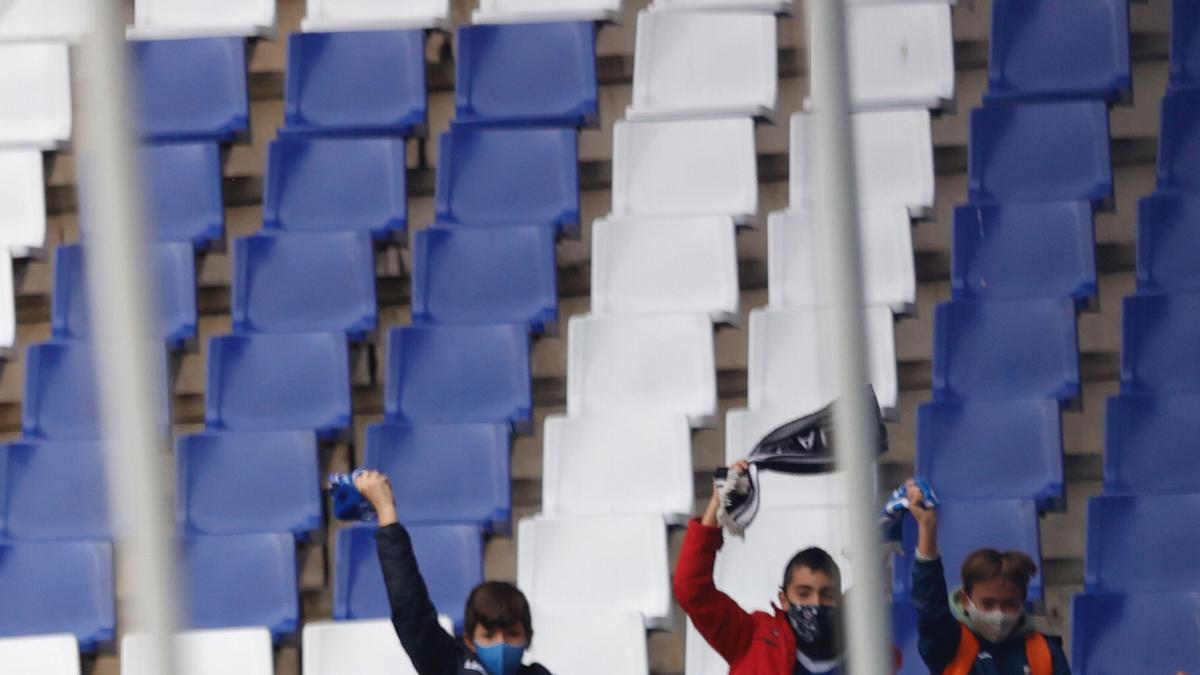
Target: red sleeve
(720, 620)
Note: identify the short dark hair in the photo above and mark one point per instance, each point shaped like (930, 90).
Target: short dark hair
(497, 605)
(815, 559)
(988, 563)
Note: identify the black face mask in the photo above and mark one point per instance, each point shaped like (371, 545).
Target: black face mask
(816, 628)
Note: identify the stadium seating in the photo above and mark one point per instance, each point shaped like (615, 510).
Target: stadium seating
(183, 188)
(246, 651)
(1142, 544)
(590, 642)
(1104, 626)
(41, 654)
(234, 581)
(992, 450)
(613, 368)
(274, 382)
(901, 54)
(665, 266)
(649, 457)
(23, 209)
(1168, 243)
(248, 482)
(1016, 349)
(1160, 337)
(906, 639)
(519, 11)
(191, 90)
(35, 98)
(798, 277)
(1036, 152)
(966, 526)
(1024, 251)
(1185, 43)
(43, 20)
(776, 6)
(701, 167)
(54, 587)
(1179, 141)
(485, 276)
(158, 19)
(304, 283)
(54, 490)
(447, 473)
(456, 374)
(624, 559)
(173, 282)
(1151, 444)
(489, 177)
(450, 558)
(704, 64)
(60, 391)
(8, 308)
(336, 184)
(893, 154)
(531, 73)
(348, 15)
(1055, 49)
(367, 647)
(336, 83)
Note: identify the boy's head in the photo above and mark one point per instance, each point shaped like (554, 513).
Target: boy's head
(811, 578)
(995, 581)
(497, 613)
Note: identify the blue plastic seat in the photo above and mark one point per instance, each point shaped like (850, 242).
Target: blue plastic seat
(369, 83)
(1185, 43)
(240, 580)
(1179, 142)
(992, 450)
(293, 283)
(1168, 243)
(534, 73)
(336, 184)
(1040, 152)
(502, 176)
(967, 526)
(1024, 251)
(1142, 544)
(183, 192)
(483, 276)
(60, 392)
(58, 587)
(193, 89)
(1017, 349)
(248, 482)
(450, 558)
(1055, 49)
(278, 382)
(1114, 634)
(463, 472)
(905, 638)
(457, 374)
(1160, 344)
(173, 282)
(53, 490)
(1152, 444)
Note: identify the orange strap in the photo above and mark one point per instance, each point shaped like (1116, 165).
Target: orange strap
(1037, 653)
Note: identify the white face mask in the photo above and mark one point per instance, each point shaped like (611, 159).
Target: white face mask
(993, 626)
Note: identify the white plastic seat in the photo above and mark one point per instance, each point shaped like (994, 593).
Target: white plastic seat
(35, 98)
(704, 64)
(40, 655)
(590, 643)
(246, 651)
(23, 208)
(791, 359)
(796, 271)
(346, 15)
(685, 168)
(159, 19)
(532, 11)
(42, 20)
(598, 465)
(357, 648)
(775, 6)
(665, 266)
(893, 152)
(647, 365)
(613, 563)
(8, 304)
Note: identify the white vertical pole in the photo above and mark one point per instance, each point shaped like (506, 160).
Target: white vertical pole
(128, 363)
(868, 640)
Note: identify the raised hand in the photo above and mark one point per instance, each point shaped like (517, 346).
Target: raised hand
(377, 489)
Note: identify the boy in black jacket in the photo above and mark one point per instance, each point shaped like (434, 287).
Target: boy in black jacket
(497, 618)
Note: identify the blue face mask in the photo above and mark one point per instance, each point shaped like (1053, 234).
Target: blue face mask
(501, 659)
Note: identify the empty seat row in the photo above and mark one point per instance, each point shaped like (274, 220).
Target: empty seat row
(35, 98)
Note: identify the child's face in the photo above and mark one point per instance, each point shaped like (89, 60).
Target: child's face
(512, 635)
(810, 587)
(997, 594)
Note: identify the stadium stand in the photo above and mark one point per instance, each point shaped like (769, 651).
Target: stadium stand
(901, 54)
(183, 192)
(35, 99)
(776, 6)
(353, 15)
(366, 647)
(191, 89)
(41, 654)
(205, 652)
(51, 491)
(517, 11)
(23, 211)
(591, 643)
(1185, 43)
(42, 20)
(1129, 535)
(1104, 622)
(163, 19)
(1179, 136)
(1150, 444)
(1167, 237)
(240, 580)
(1159, 336)
(52, 587)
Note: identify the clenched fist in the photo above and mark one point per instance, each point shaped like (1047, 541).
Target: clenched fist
(378, 490)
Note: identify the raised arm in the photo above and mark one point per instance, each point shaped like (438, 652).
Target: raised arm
(937, 628)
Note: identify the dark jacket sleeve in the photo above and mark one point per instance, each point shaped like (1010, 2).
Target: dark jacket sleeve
(720, 620)
(938, 630)
(432, 650)
(1058, 657)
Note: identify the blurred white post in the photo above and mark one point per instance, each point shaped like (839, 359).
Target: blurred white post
(869, 634)
(129, 370)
